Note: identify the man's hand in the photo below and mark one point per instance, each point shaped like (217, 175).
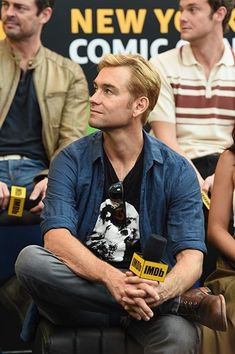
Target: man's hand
(120, 289)
(39, 190)
(4, 196)
(141, 296)
(208, 184)
(146, 289)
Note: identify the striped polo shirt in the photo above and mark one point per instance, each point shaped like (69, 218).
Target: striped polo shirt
(202, 109)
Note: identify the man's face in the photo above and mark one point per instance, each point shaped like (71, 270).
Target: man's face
(196, 21)
(111, 104)
(20, 19)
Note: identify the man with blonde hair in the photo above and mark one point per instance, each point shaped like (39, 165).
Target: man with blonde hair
(107, 193)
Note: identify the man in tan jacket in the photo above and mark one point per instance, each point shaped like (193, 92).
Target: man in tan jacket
(43, 100)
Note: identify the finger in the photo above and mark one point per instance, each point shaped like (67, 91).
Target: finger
(134, 279)
(38, 208)
(205, 187)
(151, 302)
(127, 301)
(131, 301)
(4, 196)
(139, 315)
(36, 192)
(143, 290)
(208, 184)
(144, 308)
(150, 291)
(39, 189)
(139, 311)
(129, 274)
(134, 292)
(135, 315)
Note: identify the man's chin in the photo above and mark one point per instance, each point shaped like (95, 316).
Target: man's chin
(93, 124)
(185, 36)
(12, 35)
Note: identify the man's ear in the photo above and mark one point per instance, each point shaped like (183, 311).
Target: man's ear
(45, 15)
(220, 13)
(141, 104)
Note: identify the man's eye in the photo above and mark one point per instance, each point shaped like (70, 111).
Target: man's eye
(21, 8)
(5, 5)
(108, 91)
(193, 9)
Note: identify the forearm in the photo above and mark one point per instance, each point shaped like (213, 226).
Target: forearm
(222, 240)
(77, 257)
(177, 281)
(183, 275)
(166, 132)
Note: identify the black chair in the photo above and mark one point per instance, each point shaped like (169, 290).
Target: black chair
(51, 339)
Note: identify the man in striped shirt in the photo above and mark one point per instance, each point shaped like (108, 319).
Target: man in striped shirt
(195, 110)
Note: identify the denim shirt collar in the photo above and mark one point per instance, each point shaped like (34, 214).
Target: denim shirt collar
(152, 151)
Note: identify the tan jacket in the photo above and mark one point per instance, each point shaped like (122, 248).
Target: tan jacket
(62, 93)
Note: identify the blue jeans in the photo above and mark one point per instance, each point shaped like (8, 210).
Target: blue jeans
(20, 172)
(66, 299)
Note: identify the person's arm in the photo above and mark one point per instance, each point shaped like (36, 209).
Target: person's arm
(186, 232)
(166, 132)
(163, 119)
(222, 206)
(180, 279)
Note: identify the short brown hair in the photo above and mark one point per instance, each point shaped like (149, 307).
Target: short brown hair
(228, 4)
(42, 4)
(144, 81)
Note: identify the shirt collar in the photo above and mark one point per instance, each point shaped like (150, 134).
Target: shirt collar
(16, 56)
(188, 59)
(152, 151)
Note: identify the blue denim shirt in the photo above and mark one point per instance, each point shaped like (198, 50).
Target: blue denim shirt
(170, 199)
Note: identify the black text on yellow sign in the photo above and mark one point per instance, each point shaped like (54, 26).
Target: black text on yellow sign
(17, 200)
(206, 199)
(147, 269)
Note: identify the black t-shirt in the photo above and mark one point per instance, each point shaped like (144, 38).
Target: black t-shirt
(21, 132)
(113, 241)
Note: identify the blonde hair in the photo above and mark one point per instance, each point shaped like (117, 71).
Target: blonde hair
(144, 81)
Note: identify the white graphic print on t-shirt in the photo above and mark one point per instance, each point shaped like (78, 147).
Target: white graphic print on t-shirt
(110, 240)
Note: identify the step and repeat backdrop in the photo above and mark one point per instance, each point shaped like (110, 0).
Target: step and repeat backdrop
(85, 30)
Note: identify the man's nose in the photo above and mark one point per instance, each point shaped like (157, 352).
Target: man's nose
(183, 16)
(95, 98)
(10, 11)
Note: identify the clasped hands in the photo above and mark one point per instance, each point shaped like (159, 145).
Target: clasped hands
(140, 296)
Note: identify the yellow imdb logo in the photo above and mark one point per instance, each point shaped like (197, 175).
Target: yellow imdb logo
(16, 205)
(147, 269)
(2, 34)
